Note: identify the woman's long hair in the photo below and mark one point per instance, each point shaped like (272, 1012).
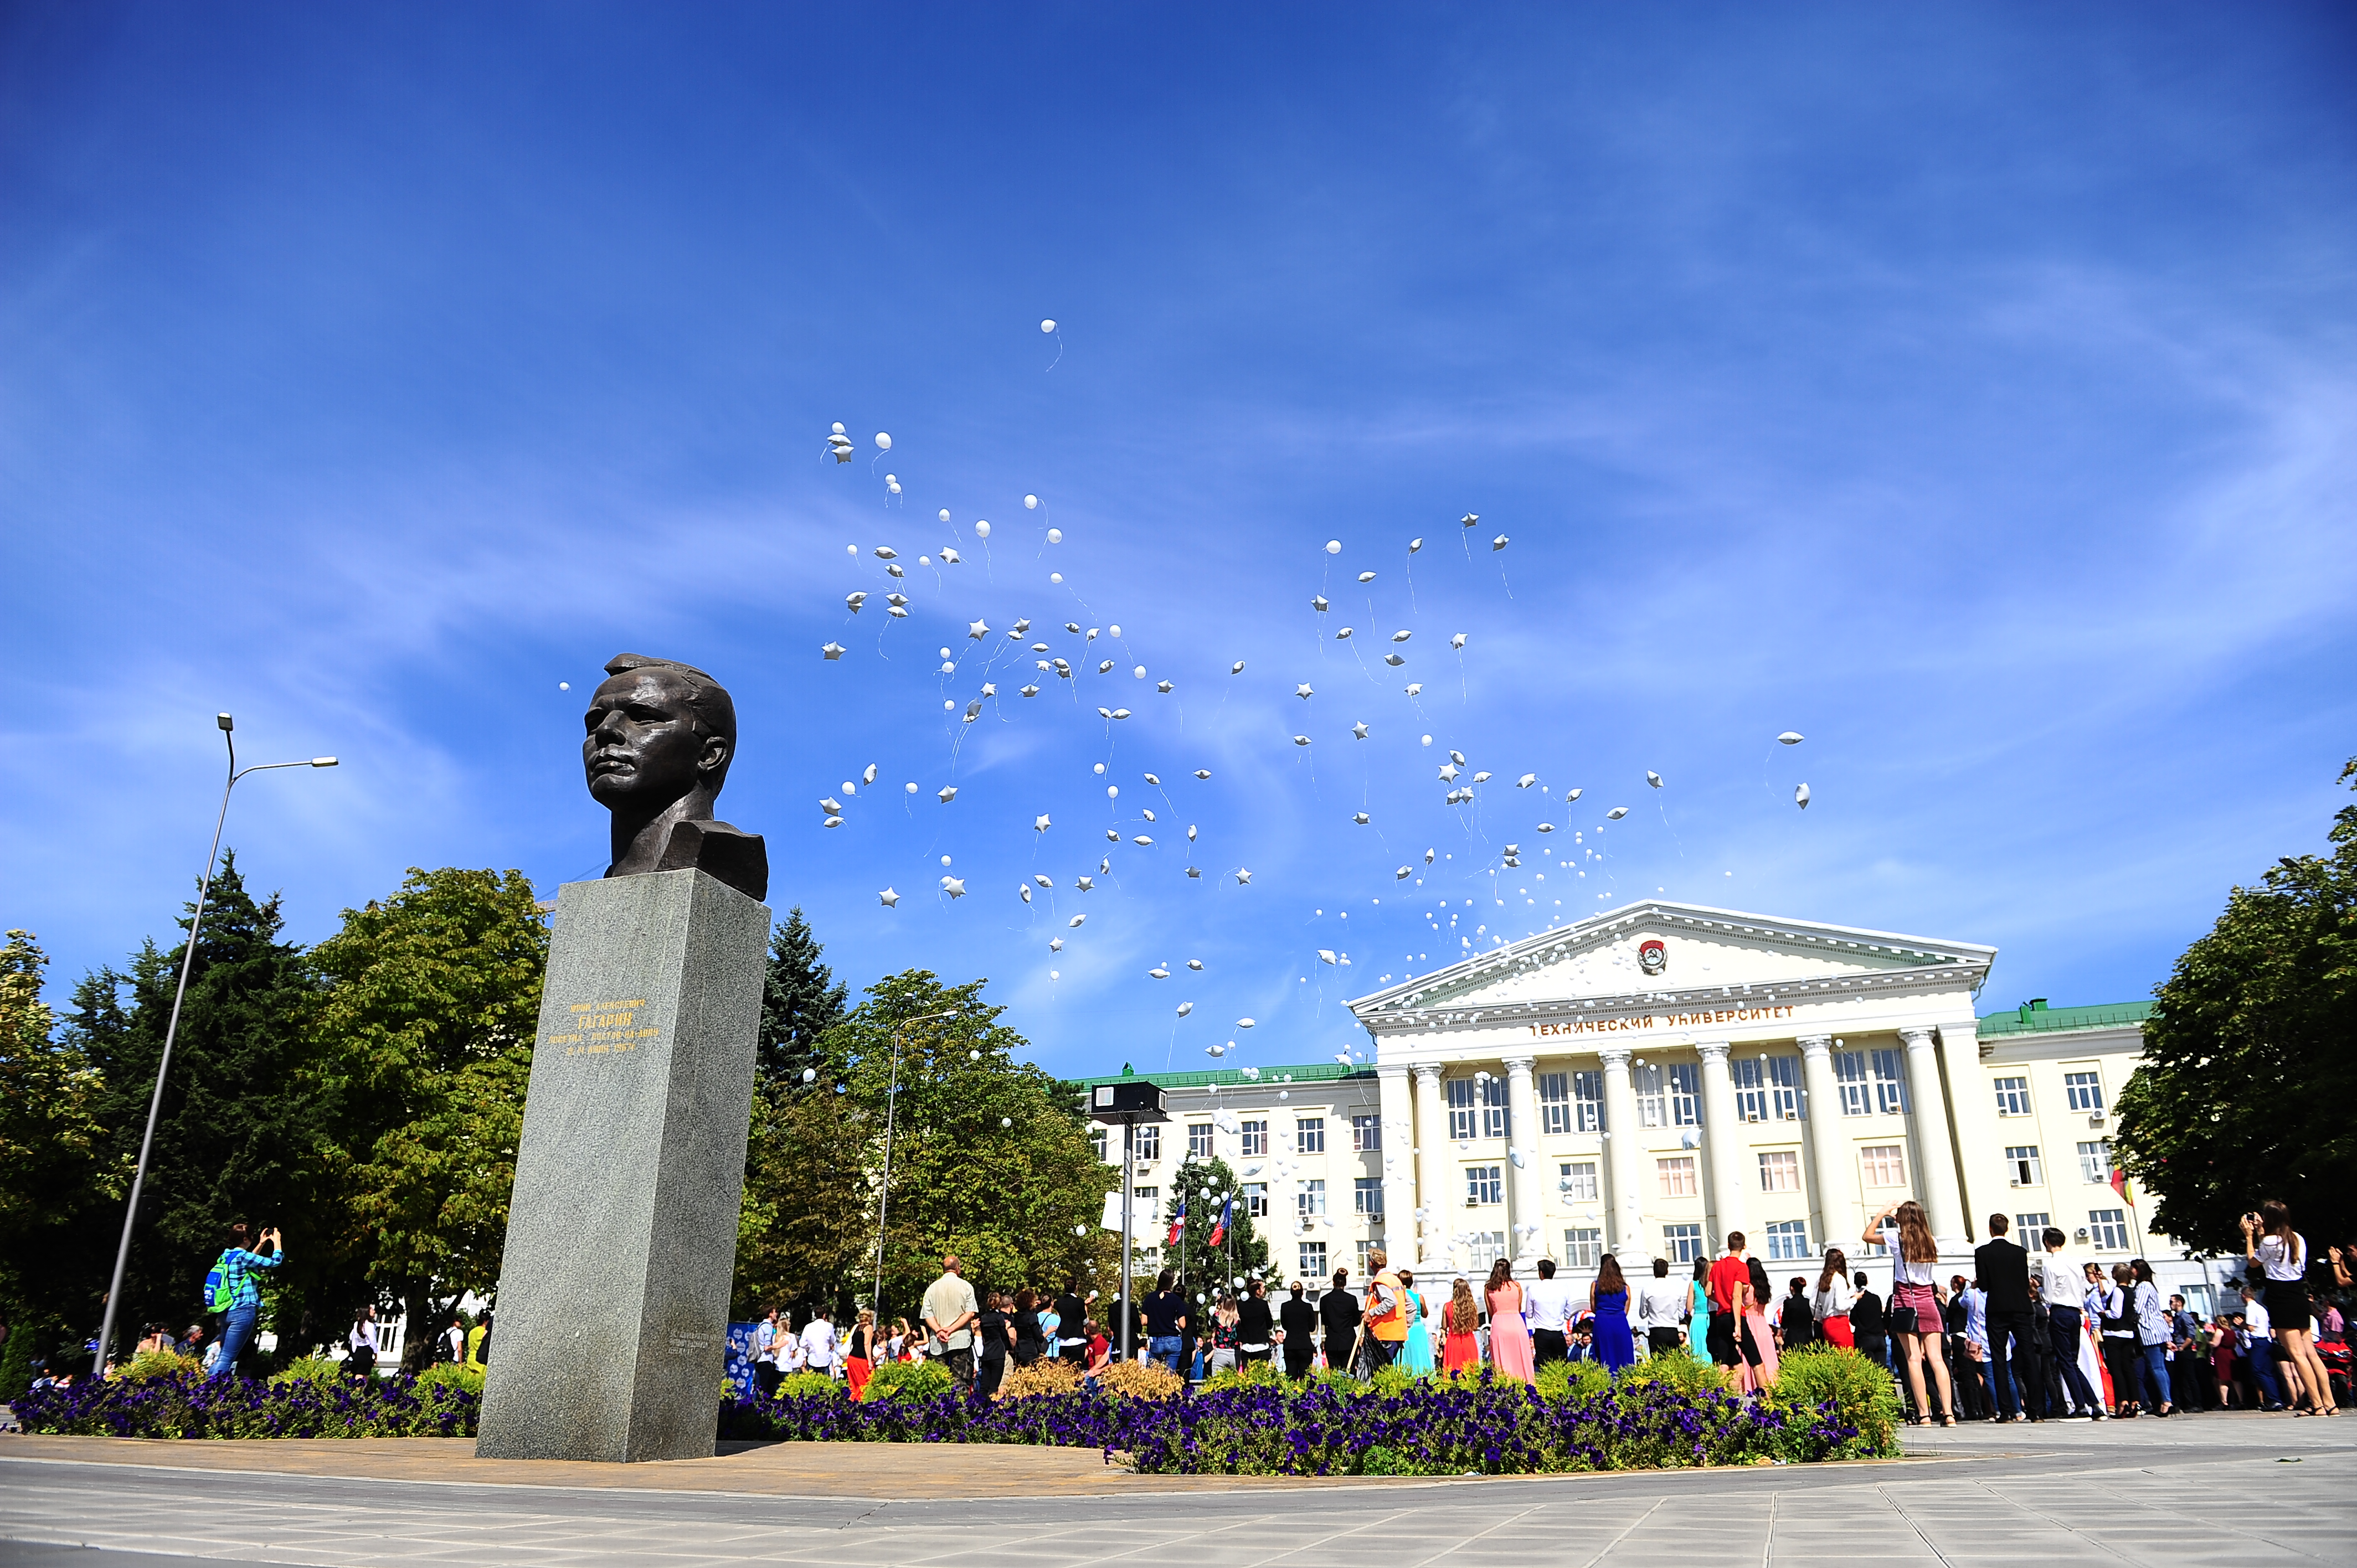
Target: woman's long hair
(2275, 1218)
(1463, 1316)
(1916, 1243)
(1836, 1268)
(1609, 1277)
(1701, 1269)
(1501, 1273)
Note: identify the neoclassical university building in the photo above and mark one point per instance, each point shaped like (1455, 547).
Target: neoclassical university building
(1646, 1080)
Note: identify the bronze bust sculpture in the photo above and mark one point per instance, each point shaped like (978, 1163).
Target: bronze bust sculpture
(660, 736)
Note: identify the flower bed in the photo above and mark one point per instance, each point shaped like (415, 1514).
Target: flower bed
(1829, 1405)
(189, 1405)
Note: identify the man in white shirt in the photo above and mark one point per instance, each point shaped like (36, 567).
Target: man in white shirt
(2260, 1351)
(818, 1343)
(766, 1374)
(2063, 1283)
(1548, 1309)
(1661, 1309)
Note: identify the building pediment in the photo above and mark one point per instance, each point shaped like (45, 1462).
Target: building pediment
(1663, 957)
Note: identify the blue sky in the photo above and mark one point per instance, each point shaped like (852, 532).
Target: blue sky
(1970, 388)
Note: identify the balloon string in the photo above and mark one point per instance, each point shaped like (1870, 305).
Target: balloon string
(1059, 352)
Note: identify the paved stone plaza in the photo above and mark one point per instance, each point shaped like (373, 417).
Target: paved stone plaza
(2203, 1490)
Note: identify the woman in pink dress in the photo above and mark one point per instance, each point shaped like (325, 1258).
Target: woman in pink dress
(1510, 1337)
(1759, 1376)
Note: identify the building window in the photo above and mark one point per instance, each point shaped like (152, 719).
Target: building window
(1310, 1200)
(1652, 1104)
(1554, 1102)
(1309, 1135)
(1149, 1142)
(1578, 1184)
(1255, 1138)
(2028, 1230)
(2108, 1229)
(1198, 1140)
(2083, 1090)
(2095, 1161)
(1890, 1082)
(1493, 1107)
(1681, 1243)
(1313, 1260)
(2021, 1165)
(1685, 1095)
(1486, 1248)
(1582, 1247)
(1766, 1088)
(1678, 1173)
(1485, 1184)
(1788, 1240)
(1367, 1197)
(1366, 1135)
(1256, 1200)
(1884, 1164)
(1780, 1170)
(1366, 1271)
(1587, 1101)
(1146, 1202)
(2013, 1096)
(1460, 1109)
(1099, 1141)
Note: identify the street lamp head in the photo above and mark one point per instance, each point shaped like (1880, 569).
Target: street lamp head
(323, 762)
(225, 722)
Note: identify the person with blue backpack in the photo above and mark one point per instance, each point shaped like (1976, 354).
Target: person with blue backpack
(229, 1288)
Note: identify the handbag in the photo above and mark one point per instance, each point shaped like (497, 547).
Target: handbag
(1900, 1319)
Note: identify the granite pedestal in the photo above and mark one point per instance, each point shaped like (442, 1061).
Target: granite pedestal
(613, 1304)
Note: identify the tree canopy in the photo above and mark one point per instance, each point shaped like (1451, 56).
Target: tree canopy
(2249, 1082)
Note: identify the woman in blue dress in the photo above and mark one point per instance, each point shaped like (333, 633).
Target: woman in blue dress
(1416, 1355)
(1698, 1310)
(1610, 1298)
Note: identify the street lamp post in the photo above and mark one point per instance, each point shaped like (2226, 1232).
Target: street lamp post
(172, 1029)
(884, 1193)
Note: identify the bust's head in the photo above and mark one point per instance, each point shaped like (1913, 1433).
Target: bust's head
(658, 731)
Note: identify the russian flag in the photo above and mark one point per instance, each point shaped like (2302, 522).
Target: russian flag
(1227, 1213)
(1178, 1223)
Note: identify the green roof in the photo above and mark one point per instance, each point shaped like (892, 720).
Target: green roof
(1322, 1072)
(2037, 1018)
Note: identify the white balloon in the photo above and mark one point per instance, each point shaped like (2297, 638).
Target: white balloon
(1333, 547)
(1049, 325)
(1801, 797)
(982, 531)
(1790, 737)
(1055, 576)
(565, 685)
(912, 788)
(1031, 504)
(1055, 536)
(883, 442)
(945, 514)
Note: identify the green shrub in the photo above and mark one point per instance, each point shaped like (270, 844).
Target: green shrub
(1560, 1380)
(150, 1365)
(909, 1381)
(1256, 1373)
(1678, 1369)
(1381, 1461)
(1863, 1394)
(810, 1385)
(311, 1369)
(453, 1375)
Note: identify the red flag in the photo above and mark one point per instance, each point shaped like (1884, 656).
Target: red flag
(2120, 1186)
(1178, 1223)
(1220, 1231)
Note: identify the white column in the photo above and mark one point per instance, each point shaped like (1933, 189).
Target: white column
(1935, 1147)
(1621, 1152)
(1723, 1140)
(1522, 1157)
(1431, 1171)
(1397, 1114)
(1831, 1156)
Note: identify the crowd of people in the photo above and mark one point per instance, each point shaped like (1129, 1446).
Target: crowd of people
(2029, 1334)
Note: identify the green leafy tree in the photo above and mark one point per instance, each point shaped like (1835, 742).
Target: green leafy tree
(51, 1148)
(238, 1120)
(989, 1159)
(801, 1001)
(2248, 1086)
(1205, 1186)
(425, 1036)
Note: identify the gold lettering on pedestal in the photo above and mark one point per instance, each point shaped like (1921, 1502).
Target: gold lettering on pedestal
(604, 1029)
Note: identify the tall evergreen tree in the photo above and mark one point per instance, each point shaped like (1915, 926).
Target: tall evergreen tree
(239, 1117)
(51, 1151)
(801, 1001)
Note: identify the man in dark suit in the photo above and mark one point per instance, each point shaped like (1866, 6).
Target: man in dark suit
(1340, 1311)
(1298, 1318)
(2004, 1271)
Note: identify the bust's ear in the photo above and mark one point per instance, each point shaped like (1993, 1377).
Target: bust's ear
(714, 755)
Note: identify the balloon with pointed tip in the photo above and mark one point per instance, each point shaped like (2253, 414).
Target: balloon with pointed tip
(1801, 797)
